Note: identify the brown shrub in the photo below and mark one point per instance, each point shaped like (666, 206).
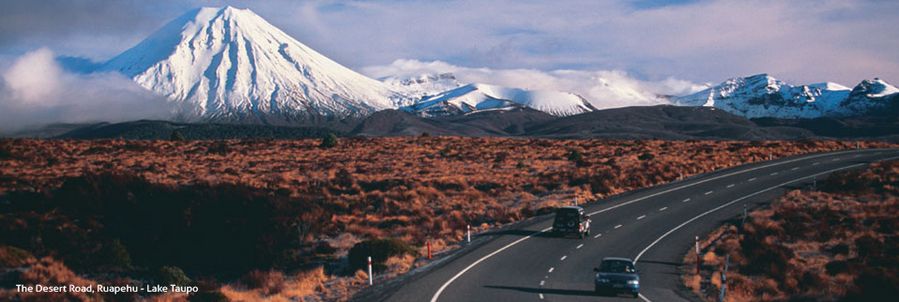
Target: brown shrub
(268, 282)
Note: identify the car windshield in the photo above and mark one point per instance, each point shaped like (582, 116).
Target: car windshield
(616, 266)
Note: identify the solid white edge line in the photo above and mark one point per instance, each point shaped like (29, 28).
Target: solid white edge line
(637, 258)
(473, 264)
(717, 177)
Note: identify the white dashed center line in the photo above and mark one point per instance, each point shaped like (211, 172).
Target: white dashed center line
(563, 258)
(582, 245)
(709, 192)
(752, 179)
(542, 282)
(597, 235)
(835, 159)
(662, 209)
(816, 163)
(794, 169)
(617, 226)
(730, 186)
(686, 200)
(541, 296)
(641, 217)
(775, 173)
(551, 269)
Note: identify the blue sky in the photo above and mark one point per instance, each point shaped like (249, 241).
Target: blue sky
(800, 41)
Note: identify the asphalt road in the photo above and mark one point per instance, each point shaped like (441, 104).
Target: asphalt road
(655, 226)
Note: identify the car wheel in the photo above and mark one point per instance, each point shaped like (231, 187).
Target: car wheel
(636, 295)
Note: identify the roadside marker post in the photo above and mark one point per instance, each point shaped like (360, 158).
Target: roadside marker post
(723, 295)
(371, 278)
(744, 214)
(429, 249)
(468, 233)
(698, 258)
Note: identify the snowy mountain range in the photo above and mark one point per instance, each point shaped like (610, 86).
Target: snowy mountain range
(228, 64)
(481, 97)
(764, 96)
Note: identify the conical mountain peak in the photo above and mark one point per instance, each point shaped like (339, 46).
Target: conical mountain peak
(229, 63)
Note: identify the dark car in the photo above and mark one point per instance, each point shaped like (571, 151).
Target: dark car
(615, 276)
(571, 220)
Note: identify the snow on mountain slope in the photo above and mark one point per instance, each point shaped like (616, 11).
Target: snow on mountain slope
(868, 96)
(480, 97)
(424, 85)
(764, 96)
(230, 64)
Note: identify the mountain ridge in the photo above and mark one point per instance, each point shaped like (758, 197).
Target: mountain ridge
(761, 95)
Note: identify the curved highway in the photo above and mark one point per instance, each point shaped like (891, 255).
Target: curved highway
(654, 226)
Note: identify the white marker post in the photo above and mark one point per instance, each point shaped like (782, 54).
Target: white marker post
(468, 233)
(698, 258)
(371, 278)
(744, 214)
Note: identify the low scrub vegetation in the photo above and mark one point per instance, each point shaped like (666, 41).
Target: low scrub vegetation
(840, 243)
(249, 219)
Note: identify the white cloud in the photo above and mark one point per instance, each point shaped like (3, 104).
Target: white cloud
(35, 90)
(603, 88)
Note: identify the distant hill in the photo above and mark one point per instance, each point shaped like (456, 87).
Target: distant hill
(164, 130)
(651, 122)
(663, 122)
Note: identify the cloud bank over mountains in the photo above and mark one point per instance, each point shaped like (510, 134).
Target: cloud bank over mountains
(602, 88)
(36, 90)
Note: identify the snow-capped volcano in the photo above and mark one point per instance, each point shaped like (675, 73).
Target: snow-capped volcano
(480, 97)
(764, 96)
(230, 64)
